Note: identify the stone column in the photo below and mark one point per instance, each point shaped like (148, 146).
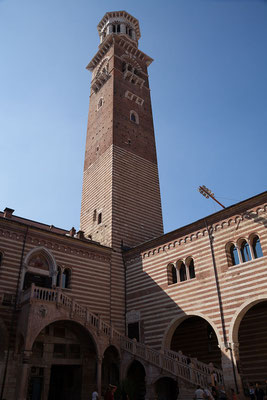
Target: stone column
(47, 357)
(24, 376)
(123, 28)
(46, 383)
(150, 392)
(134, 35)
(99, 374)
(109, 29)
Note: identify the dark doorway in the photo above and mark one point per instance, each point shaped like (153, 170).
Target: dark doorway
(252, 337)
(35, 388)
(65, 382)
(110, 367)
(166, 389)
(136, 376)
(133, 331)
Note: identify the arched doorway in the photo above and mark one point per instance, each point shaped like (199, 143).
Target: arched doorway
(136, 377)
(166, 389)
(110, 368)
(39, 267)
(195, 337)
(252, 338)
(63, 363)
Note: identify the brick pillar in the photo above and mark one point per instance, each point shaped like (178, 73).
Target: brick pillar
(24, 376)
(99, 374)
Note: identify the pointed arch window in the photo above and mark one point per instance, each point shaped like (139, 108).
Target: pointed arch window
(234, 255)
(256, 247)
(134, 117)
(191, 269)
(174, 274)
(100, 103)
(182, 272)
(58, 284)
(66, 278)
(245, 251)
(171, 274)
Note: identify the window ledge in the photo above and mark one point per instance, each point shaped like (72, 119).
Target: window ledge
(247, 262)
(179, 283)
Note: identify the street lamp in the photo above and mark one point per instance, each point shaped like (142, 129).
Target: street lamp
(208, 194)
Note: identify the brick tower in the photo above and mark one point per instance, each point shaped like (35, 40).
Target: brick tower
(121, 196)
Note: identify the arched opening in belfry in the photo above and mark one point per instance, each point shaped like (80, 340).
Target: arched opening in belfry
(252, 338)
(63, 364)
(166, 389)
(196, 338)
(110, 368)
(136, 377)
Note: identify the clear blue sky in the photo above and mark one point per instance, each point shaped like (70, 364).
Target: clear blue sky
(209, 98)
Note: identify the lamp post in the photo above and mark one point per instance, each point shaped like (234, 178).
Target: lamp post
(208, 194)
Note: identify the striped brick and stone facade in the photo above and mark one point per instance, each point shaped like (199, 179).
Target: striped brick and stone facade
(227, 299)
(119, 301)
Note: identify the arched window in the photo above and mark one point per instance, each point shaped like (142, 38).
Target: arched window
(116, 28)
(171, 274)
(174, 274)
(66, 278)
(58, 277)
(134, 117)
(191, 269)
(100, 103)
(182, 272)
(129, 31)
(234, 255)
(256, 247)
(99, 219)
(245, 251)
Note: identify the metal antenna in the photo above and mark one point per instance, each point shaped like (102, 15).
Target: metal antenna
(208, 194)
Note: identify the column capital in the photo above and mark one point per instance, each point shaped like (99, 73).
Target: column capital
(26, 355)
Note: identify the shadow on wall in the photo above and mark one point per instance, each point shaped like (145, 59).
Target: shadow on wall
(164, 324)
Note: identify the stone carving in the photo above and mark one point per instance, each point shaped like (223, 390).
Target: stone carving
(42, 311)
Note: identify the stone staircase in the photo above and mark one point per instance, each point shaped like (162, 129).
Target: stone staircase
(190, 370)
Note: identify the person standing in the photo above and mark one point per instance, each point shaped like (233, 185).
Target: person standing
(233, 395)
(214, 392)
(259, 393)
(208, 394)
(110, 392)
(222, 394)
(251, 392)
(95, 395)
(199, 393)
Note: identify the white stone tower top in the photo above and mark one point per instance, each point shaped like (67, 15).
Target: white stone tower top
(121, 23)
